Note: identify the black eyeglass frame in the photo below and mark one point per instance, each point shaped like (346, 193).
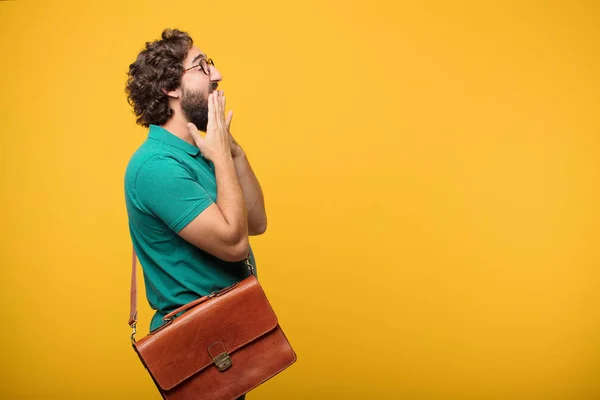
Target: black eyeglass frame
(204, 65)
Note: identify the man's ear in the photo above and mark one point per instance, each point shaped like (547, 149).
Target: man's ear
(174, 94)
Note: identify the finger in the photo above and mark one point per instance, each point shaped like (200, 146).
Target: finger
(228, 121)
(221, 106)
(215, 96)
(211, 107)
(218, 111)
(195, 134)
(219, 101)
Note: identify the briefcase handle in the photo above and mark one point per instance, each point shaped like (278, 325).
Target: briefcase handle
(202, 299)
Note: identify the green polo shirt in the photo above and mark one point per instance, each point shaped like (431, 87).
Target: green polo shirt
(168, 183)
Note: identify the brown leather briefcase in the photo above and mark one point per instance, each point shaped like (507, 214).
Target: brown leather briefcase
(221, 347)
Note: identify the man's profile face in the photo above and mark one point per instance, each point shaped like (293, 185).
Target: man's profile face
(195, 88)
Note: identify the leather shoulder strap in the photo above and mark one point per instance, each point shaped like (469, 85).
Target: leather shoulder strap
(133, 298)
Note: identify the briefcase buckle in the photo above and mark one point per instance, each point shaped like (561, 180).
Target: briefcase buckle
(223, 361)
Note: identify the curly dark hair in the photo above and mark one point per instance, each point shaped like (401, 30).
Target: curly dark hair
(158, 67)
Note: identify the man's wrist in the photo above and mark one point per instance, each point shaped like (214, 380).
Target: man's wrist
(223, 159)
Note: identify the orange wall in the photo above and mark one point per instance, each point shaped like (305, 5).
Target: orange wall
(431, 174)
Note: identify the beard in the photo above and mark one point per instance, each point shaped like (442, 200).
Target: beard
(195, 108)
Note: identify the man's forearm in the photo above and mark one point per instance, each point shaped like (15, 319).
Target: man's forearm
(230, 197)
(253, 195)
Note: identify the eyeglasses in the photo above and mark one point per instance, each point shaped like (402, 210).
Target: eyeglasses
(204, 64)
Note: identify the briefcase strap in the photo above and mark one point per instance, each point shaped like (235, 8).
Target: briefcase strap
(133, 293)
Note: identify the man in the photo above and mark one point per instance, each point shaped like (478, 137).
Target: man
(192, 201)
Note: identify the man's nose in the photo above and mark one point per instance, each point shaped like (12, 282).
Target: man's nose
(215, 75)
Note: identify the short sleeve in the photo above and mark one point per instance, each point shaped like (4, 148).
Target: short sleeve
(168, 189)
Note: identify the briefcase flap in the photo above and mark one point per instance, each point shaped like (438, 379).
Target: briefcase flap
(225, 324)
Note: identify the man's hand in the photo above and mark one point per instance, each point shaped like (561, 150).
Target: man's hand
(236, 149)
(217, 143)
(253, 196)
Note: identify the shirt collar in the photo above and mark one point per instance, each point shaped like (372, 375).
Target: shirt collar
(162, 135)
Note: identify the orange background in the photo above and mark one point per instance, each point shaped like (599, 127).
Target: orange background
(431, 177)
